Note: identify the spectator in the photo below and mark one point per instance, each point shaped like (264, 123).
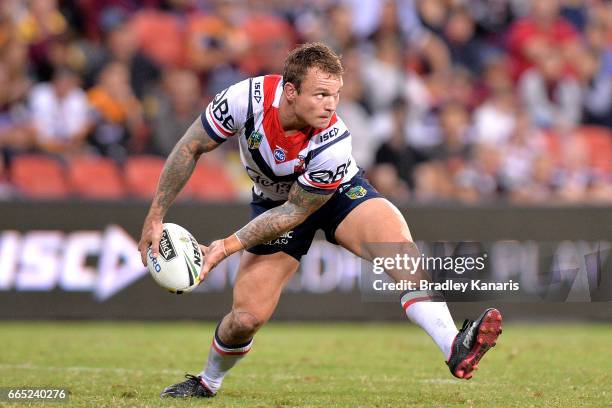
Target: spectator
(94, 13)
(433, 14)
(118, 115)
(395, 150)
(122, 45)
(17, 132)
(542, 32)
(495, 119)
(339, 30)
(457, 134)
(551, 96)
(331, 24)
(575, 12)
(493, 17)
(385, 178)
(61, 113)
(479, 180)
(459, 34)
(350, 108)
(594, 71)
(37, 27)
(386, 63)
(216, 43)
(425, 95)
(522, 148)
(14, 57)
(175, 109)
(6, 189)
(381, 20)
(575, 176)
(433, 182)
(541, 186)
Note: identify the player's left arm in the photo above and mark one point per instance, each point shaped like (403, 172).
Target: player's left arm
(300, 205)
(276, 221)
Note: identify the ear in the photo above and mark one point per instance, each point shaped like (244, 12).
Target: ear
(290, 91)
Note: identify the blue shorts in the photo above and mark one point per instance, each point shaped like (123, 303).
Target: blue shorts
(297, 242)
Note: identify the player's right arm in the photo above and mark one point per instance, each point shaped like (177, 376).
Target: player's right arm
(221, 119)
(176, 172)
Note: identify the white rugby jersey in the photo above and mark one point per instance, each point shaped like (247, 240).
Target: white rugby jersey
(318, 159)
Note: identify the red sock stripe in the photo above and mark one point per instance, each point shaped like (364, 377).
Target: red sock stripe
(419, 299)
(229, 353)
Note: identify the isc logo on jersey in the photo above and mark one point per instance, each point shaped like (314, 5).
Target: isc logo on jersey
(328, 135)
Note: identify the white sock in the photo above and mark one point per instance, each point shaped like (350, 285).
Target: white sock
(221, 358)
(428, 310)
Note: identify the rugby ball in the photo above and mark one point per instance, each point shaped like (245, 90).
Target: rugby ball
(178, 264)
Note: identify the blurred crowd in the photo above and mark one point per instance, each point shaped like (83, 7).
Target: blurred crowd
(447, 100)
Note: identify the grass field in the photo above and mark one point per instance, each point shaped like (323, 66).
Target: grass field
(313, 365)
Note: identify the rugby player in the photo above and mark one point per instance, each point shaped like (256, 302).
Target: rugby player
(297, 151)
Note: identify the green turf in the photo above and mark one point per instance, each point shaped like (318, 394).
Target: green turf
(314, 365)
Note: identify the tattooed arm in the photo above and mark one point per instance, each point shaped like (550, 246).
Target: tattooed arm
(269, 225)
(283, 218)
(176, 172)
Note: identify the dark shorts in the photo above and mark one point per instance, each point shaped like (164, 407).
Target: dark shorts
(327, 218)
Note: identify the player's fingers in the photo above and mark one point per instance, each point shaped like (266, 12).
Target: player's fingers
(142, 248)
(155, 245)
(204, 271)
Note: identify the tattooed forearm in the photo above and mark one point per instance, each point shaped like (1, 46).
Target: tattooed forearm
(179, 166)
(283, 218)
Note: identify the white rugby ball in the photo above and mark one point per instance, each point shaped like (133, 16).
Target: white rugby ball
(178, 264)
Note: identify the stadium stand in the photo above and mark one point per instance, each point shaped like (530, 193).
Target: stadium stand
(599, 143)
(141, 174)
(96, 178)
(39, 176)
(210, 182)
(433, 90)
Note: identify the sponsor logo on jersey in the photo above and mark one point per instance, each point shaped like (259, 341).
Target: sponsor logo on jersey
(300, 166)
(279, 154)
(254, 140)
(328, 135)
(356, 192)
(257, 92)
(280, 187)
(220, 110)
(166, 248)
(329, 176)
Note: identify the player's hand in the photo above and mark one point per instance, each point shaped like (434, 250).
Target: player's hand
(213, 254)
(151, 235)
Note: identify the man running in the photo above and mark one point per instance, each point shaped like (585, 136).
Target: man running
(297, 151)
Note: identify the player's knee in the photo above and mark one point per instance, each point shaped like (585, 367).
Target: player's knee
(244, 325)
